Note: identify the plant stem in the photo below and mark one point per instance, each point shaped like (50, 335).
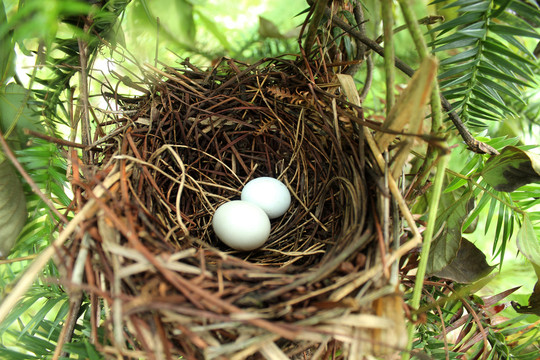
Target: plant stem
(414, 29)
(389, 54)
(428, 235)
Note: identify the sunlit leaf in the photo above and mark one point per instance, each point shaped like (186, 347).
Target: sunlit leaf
(511, 30)
(511, 169)
(14, 109)
(528, 242)
(460, 57)
(479, 6)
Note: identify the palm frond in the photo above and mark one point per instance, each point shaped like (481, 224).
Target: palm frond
(486, 62)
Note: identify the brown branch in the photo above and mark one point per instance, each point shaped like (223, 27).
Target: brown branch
(53, 139)
(475, 145)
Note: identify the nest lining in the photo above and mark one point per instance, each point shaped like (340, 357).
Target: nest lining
(210, 140)
(190, 146)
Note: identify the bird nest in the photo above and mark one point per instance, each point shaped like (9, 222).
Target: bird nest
(168, 287)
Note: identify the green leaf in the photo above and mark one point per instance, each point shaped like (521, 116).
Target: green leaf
(460, 57)
(488, 99)
(510, 30)
(488, 70)
(460, 20)
(467, 41)
(445, 245)
(525, 11)
(508, 66)
(497, 47)
(456, 3)
(496, 86)
(12, 207)
(511, 169)
(458, 69)
(480, 6)
(459, 80)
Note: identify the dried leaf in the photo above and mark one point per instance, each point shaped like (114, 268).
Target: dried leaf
(409, 109)
(511, 169)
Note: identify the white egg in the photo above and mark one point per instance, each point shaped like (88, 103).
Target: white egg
(241, 225)
(269, 194)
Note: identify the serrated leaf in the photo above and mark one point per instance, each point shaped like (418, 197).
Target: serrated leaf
(515, 42)
(467, 41)
(459, 80)
(480, 6)
(497, 47)
(460, 57)
(492, 207)
(468, 266)
(456, 3)
(496, 86)
(484, 109)
(12, 208)
(504, 64)
(461, 20)
(445, 245)
(488, 99)
(511, 169)
(454, 70)
(500, 75)
(479, 207)
(510, 30)
(526, 12)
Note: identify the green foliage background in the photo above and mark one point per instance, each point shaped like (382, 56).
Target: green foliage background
(495, 89)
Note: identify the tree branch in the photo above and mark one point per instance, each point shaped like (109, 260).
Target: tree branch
(473, 144)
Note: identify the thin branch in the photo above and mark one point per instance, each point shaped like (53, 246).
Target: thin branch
(475, 145)
(53, 139)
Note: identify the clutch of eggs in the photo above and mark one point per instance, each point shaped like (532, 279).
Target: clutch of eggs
(245, 224)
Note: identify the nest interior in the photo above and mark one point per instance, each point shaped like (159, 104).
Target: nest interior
(173, 156)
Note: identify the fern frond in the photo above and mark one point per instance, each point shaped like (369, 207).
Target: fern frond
(486, 62)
